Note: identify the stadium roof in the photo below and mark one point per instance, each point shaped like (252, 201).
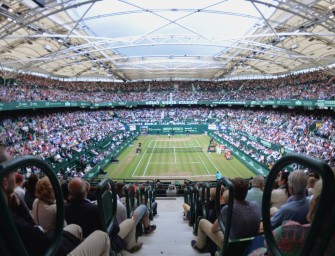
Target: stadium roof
(175, 39)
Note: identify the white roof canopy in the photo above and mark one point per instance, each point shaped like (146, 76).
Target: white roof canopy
(175, 39)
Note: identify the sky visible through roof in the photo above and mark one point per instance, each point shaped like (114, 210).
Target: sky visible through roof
(138, 21)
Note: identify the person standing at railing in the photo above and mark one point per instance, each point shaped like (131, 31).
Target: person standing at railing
(218, 175)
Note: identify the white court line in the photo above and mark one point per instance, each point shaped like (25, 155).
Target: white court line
(174, 151)
(202, 161)
(209, 158)
(146, 167)
(139, 161)
(172, 177)
(150, 142)
(173, 162)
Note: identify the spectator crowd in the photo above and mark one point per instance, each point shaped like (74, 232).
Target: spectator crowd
(309, 86)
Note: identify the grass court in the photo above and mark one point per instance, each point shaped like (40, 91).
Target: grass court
(179, 156)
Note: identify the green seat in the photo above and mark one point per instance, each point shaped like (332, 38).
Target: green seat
(107, 203)
(230, 247)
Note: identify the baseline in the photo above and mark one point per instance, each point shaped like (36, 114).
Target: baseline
(172, 177)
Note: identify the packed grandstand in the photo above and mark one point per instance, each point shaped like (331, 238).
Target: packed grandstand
(309, 86)
(74, 141)
(50, 134)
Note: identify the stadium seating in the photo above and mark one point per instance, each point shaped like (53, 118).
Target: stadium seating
(314, 85)
(107, 202)
(251, 131)
(10, 240)
(230, 246)
(322, 224)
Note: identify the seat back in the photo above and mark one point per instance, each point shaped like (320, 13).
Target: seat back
(196, 214)
(321, 224)
(186, 195)
(10, 240)
(107, 203)
(205, 195)
(224, 227)
(146, 197)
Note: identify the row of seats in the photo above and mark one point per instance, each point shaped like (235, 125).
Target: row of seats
(198, 198)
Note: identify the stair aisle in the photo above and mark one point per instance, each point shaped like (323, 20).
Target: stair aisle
(173, 235)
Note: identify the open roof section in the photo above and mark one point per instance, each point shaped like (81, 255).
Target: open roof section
(156, 39)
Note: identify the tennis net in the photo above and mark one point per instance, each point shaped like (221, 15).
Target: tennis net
(173, 149)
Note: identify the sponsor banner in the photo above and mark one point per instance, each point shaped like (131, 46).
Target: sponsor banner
(132, 127)
(59, 104)
(176, 129)
(212, 127)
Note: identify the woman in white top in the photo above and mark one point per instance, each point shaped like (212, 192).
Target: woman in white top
(44, 207)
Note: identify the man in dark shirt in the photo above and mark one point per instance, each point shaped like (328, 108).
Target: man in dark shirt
(81, 211)
(84, 213)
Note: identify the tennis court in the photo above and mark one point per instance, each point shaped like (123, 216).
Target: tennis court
(180, 156)
(177, 156)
